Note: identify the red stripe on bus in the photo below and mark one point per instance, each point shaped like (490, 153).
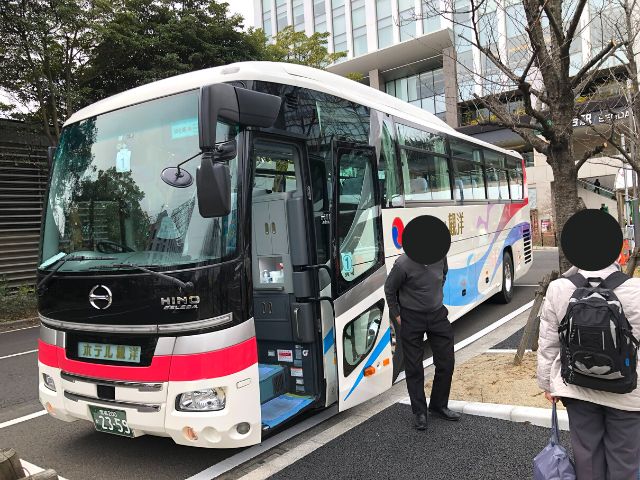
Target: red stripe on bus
(218, 363)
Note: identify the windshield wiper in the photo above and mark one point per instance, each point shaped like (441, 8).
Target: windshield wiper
(182, 285)
(61, 261)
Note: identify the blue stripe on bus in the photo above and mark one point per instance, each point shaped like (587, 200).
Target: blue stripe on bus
(328, 341)
(384, 341)
(460, 279)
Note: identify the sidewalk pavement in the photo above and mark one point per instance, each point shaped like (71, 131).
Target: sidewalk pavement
(386, 446)
(377, 440)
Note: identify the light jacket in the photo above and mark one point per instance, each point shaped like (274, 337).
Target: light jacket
(553, 310)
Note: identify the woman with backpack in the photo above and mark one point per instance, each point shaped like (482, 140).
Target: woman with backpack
(587, 355)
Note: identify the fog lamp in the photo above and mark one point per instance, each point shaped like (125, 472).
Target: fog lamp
(205, 400)
(243, 428)
(48, 382)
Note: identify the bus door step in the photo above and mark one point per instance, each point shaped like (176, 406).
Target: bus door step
(282, 408)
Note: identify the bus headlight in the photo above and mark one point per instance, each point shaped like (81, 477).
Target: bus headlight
(48, 382)
(205, 400)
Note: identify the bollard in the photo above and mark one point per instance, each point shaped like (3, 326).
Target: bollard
(10, 466)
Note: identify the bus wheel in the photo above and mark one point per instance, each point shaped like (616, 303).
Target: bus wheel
(396, 349)
(506, 294)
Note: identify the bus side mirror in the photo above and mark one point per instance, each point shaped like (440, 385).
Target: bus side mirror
(214, 188)
(221, 102)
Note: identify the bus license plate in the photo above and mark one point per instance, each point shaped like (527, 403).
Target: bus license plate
(110, 421)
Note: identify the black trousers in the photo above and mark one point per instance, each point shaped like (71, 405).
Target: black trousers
(440, 335)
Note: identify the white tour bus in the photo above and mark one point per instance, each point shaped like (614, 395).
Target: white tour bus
(215, 246)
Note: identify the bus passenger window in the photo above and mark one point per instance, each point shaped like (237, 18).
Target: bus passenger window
(469, 184)
(497, 184)
(428, 176)
(514, 166)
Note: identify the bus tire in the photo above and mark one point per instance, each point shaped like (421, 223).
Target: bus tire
(398, 356)
(506, 293)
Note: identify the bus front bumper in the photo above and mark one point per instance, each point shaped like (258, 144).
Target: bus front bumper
(151, 407)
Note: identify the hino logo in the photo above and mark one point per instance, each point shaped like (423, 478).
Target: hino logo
(180, 303)
(100, 297)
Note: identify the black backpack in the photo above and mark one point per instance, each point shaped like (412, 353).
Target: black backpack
(598, 349)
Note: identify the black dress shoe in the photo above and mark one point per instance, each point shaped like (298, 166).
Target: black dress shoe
(445, 413)
(420, 421)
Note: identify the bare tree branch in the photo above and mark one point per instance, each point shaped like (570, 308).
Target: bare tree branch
(557, 29)
(573, 26)
(576, 80)
(500, 111)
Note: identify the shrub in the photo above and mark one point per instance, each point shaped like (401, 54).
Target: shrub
(17, 302)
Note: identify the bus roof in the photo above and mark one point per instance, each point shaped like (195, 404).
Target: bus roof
(277, 72)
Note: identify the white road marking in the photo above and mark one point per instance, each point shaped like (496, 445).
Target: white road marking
(252, 452)
(18, 354)
(476, 336)
(19, 329)
(15, 421)
(32, 469)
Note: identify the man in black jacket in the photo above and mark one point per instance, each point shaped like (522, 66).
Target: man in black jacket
(414, 291)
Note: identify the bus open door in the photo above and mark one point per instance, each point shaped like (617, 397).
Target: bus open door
(362, 331)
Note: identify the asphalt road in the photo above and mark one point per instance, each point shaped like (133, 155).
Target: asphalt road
(386, 446)
(77, 451)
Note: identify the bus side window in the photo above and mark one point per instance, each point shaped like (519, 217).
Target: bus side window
(388, 169)
(516, 178)
(497, 184)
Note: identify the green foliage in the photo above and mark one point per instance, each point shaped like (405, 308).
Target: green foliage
(17, 303)
(57, 56)
(296, 47)
(147, 40)
(45, 47)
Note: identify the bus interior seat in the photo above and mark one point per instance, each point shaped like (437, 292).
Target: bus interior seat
(419, 185)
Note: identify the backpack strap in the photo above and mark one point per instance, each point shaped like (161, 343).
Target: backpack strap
(578, 280)
(614, 280)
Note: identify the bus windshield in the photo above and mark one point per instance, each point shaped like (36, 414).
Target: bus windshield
(107, 196)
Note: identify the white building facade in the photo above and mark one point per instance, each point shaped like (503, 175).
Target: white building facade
(418, 50)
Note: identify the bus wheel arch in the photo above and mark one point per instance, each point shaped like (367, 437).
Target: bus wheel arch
(506, 292)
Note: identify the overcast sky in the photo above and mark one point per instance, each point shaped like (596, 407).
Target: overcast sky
(244, 8)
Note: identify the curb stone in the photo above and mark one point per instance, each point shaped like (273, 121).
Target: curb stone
(540, 417)
(535, 247)
(16, 324)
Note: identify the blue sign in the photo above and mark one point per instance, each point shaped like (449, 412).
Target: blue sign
(184, 128)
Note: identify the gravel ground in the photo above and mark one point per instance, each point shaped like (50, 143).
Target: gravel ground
(493, 378)
(386, 446)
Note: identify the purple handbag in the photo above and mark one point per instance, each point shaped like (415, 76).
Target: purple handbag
(553, 462)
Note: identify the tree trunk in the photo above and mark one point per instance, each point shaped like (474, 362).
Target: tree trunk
(565, 193)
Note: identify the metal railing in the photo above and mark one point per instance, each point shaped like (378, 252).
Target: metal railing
(598, 190)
